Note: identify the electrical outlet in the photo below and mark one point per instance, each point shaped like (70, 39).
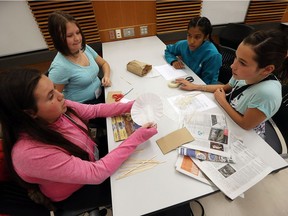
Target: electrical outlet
(128, 32)
(143, 30)
(118, 33)
(111, 35)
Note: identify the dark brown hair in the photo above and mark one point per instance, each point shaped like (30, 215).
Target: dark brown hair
(57, 28)
(204, 24)
(270, 47)
(17, 95)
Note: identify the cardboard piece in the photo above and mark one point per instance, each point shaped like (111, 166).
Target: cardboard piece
(174, 140)
(109, 98)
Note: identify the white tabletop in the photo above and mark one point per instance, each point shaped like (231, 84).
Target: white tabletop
(162, 186)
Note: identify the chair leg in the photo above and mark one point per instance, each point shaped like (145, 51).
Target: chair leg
(97, 212)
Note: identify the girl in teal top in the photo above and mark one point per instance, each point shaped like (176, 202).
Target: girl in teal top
(74, 71)
(253, 94)
(198, 52)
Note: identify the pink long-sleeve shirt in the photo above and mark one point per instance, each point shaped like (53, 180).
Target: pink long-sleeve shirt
(58, 173)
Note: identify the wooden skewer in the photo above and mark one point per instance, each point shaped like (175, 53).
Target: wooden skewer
(136, 167)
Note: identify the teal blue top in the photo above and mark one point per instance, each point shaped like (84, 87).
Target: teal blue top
(205, 61)
(265, 96)
(80, 82)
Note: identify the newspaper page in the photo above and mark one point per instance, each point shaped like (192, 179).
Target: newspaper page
(202, 155)
(210, 132)
(234, 179)
(185, 165)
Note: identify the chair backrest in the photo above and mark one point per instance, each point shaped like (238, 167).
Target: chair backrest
(281, 117)
(233, 34)
(277, 127)
(228, 56)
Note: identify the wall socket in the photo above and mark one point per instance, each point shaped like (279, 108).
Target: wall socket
(118, 33)
(111, 34)
(143, 30)
(128, 32)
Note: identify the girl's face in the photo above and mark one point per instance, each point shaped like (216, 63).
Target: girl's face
(50, 102)
(195, 38)
(245, 67)
(73, 37)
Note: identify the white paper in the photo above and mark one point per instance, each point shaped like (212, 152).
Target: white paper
(195, 101)
(210, 132)
(152, 73)
(169, 72)
(234, 179)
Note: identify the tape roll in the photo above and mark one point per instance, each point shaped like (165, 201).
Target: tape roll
(173, 84)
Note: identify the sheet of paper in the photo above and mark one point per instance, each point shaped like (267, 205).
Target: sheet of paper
(169, 72)
(233, 179)
(174, 140)
(195, 101)
(153, 73)
(186, 165)
(210, 132)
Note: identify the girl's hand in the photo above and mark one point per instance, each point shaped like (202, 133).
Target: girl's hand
(178, 65)
(106, 82)
(220, 96)
(185, 84)
(150, 125)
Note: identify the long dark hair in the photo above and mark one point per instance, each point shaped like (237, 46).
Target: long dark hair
(270, 47)
(57, 28)
(204, 24)
(16, 97)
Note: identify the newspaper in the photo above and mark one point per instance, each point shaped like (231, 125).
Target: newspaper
(210, 132)
(235, 179)
(185, 165)
(201, 155)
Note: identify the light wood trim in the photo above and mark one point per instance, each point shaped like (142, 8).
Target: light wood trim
(173, 16)
(265, 11)
(81, 10)
(285, 16)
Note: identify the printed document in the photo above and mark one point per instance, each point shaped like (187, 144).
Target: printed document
(233, 179)
(210, 132)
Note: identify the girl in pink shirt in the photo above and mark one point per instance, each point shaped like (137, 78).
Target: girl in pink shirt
(46, 142)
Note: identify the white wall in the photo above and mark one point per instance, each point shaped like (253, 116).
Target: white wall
(19, 32)
(226, 11)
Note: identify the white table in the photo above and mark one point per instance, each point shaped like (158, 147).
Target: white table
(161, 186)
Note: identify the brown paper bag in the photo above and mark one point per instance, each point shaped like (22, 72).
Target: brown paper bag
(138, 68)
